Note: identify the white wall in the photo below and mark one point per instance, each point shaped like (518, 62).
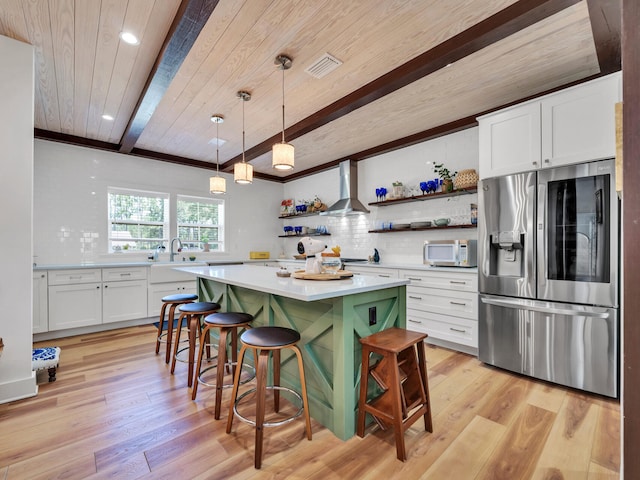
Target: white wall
(16, 192)
(70, 205)
(457, 151)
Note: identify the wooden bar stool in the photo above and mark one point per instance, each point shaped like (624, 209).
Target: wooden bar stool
(402, 375)
(261, 341)
(172, 301)
(227, 322)
(193, 312)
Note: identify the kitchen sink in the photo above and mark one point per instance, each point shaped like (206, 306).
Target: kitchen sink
(164, 271)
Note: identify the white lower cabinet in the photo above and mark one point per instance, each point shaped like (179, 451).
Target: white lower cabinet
(75, 305)
(376, 271)
(40, 303)
(444, 305)
(125, 300)
(86, 297)
(158, 290)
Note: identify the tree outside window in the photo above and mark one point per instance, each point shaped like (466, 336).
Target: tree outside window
(137, 220)
(200, 221)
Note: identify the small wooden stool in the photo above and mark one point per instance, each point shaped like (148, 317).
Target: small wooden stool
(173, 301)
(227, 322)
(46, 358)
(261, 341)
(402, 374)
(193, 313)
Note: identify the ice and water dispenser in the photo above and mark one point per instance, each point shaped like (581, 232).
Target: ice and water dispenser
(506, 253)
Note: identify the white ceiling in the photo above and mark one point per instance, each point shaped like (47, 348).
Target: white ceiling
(394, 82)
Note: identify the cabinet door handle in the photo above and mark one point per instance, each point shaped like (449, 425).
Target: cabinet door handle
(98, 287)
(458, 282)
(414, 297)
(414, 321)
(42, 276)
(459, 330)
(416, 279)
(458, 303)
(546, 160)
(534, 163)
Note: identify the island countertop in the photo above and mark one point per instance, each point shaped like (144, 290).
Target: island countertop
(265, 280)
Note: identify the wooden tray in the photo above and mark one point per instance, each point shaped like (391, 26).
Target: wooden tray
(339, 275)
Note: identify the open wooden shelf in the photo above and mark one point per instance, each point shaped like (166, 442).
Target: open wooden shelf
(470, 225)
(426, 196)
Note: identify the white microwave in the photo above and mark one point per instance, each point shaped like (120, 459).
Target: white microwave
(450, 253)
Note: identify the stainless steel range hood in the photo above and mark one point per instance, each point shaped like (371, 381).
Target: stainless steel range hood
(348, 203)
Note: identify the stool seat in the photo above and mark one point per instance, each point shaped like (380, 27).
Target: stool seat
(199, 307)
(227, 319)
(270, 337)
(180, 297)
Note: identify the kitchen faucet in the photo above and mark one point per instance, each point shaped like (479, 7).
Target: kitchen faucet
(172, 253)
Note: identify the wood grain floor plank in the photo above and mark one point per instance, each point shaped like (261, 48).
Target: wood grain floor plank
(115, 401)
(516, 454)
(470, 450)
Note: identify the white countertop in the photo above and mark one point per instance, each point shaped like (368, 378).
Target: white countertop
(265, 280)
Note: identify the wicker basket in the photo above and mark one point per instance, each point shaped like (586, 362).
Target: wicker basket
(466, 179)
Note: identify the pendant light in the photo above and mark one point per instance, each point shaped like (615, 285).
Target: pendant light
(283, 152)
(242, 171)
(217, 184)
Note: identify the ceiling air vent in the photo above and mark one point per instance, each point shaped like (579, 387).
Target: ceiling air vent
(323, 66)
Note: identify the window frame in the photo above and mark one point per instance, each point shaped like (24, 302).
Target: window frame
(216, 246)
(134, 192)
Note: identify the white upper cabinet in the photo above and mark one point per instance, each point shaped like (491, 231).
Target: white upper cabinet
(571, 126)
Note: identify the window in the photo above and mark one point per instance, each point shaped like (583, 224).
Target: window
(137, 220)
(200, 221)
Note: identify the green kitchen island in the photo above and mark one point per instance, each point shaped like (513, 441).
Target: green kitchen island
(330, 315)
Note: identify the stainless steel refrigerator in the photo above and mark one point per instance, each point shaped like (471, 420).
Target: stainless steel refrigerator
(548, 244)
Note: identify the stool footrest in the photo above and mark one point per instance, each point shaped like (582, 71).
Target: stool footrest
(285, 420)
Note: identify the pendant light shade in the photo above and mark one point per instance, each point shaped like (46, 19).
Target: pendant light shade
(217, 184)
(242, 171)
(283, 152)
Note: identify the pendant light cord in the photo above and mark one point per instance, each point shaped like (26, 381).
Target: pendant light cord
(217, 148)
(283, 62)
(243, 100)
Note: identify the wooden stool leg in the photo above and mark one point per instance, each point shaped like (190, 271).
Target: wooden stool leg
(428, 422)
(236, 385)
(303, 390)
(364, 385)
(193, 326)
(52, 374)
(261, 394)
(276, 380)
(160, 324)
(176, 343)
(170, 320)
(397, 410)
(199, 364)
(222, 361)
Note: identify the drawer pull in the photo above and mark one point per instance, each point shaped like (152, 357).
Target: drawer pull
(125, 274)
(459, 330)
(75, 277)
(415, 298)
(384, 276)
(416, 279)
(458, 282)
(458, 303)
(414, 321)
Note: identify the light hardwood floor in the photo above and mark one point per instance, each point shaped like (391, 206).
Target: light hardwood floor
(115, 412)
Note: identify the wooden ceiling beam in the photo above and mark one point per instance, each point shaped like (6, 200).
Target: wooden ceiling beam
(502, 24)
(187, 25)
(606, 26)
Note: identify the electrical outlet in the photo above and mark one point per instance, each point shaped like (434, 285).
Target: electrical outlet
(372, 316)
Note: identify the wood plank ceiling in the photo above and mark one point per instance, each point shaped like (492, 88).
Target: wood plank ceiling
(411, 70)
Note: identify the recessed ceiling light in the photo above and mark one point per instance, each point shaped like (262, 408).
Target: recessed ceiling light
(129, 38)
(107, 117)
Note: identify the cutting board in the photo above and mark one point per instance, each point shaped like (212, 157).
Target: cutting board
(339, 275)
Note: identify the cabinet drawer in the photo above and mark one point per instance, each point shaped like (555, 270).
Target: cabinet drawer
(464, 281)
(128, 273)
(376, 271)
(446, 302)
(70, 277)
(444, 327)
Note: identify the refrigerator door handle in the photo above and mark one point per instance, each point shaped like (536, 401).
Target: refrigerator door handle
(592, 312)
